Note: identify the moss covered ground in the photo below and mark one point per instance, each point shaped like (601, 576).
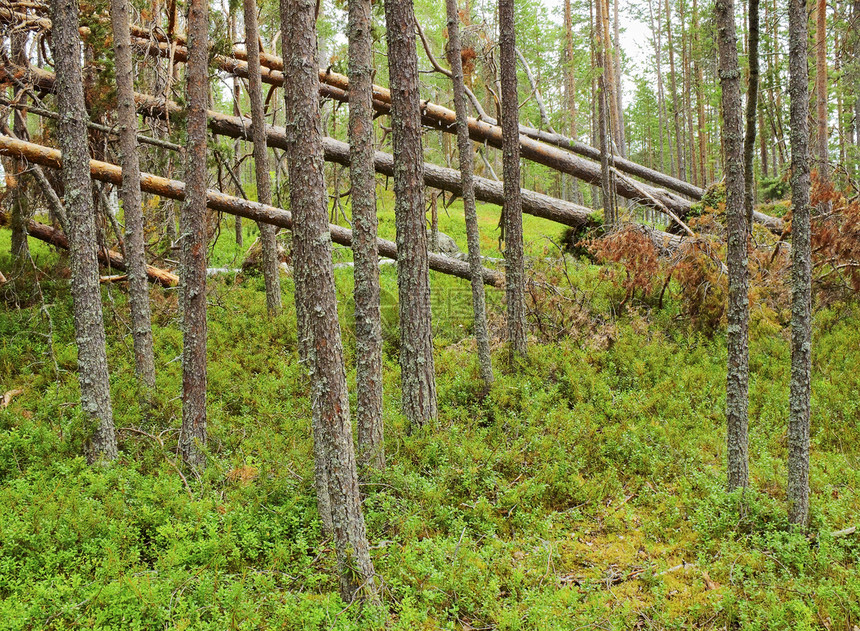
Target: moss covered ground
(585, 490)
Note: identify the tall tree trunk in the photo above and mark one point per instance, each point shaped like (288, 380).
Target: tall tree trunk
(512, 210)
(269, 245)
(656, 32)
(418, 381)
(314, 271)
(700, 100)
(822, 135)
(676, 112)
(752, 108)
(20, 215)
(686, 48)
(467, 159)
(193, 237)
(236, 94)
(86, 294)
(135, 253)
(619, 104)
(801, 268)
(737, 383)
(368, 324)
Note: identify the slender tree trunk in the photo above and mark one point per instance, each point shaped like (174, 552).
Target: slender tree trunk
(512, 210)
(418, 381)
(656, 31)
(801, 268)
(467, 159)
(700, 100)
(135, 254)
(268, 242)
(751, 111)
(20, 215)
(314, 271)
(686, 47)
(619, 104)
(193, 237)
(86, 294)
(236, 94)
(737, 384)
(676, 112)
(822, 135)
(570, 90)
(368, 324)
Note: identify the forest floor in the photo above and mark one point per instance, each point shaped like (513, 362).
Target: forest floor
(585, 490)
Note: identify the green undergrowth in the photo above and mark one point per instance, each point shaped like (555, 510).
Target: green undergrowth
(584, 490)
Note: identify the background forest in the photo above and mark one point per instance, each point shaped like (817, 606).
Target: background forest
(572, 399)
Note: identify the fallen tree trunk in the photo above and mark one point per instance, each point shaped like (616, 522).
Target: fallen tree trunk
(216, 200)
(445, 179)
(534, 142)
(535, 204)
(383, 96)
(486, 190)
(335, 86)
(108, 258)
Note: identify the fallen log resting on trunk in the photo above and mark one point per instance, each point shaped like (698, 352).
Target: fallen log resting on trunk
(108, 258)
(445, 179)
(535, 204)
(549, 156)
(537, 145)
(382, 95)
(216, 200)
(443, 119)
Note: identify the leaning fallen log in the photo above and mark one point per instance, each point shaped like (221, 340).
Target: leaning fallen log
(335, 86)
(158, 43)
(536, 204)
(216, 200)
(108, 258)
(443, 119)
(550, 150)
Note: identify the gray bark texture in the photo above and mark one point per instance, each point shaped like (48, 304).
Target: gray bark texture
(467, 160)
(418, 381)
(751, 111)
(315, 275)
(192, 237)
(737, 332)
(20, 249)
(86, 294)
(135, 254)
(261, 158)
(801, 268)
(512, 212)
(368, 318)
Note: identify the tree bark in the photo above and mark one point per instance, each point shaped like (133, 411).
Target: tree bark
(801, 269)
(822, 135)
(268, 243)
(676, 112)
(751, 111)
(19, 250)
(86, 294)
(362, 175)
(512, 211)
(416, 351)
(467, 159)
(193, 235)
(315, 274)
(138, 287)
(737, 332)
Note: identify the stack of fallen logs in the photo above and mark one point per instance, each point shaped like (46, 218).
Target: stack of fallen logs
(549, 149)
